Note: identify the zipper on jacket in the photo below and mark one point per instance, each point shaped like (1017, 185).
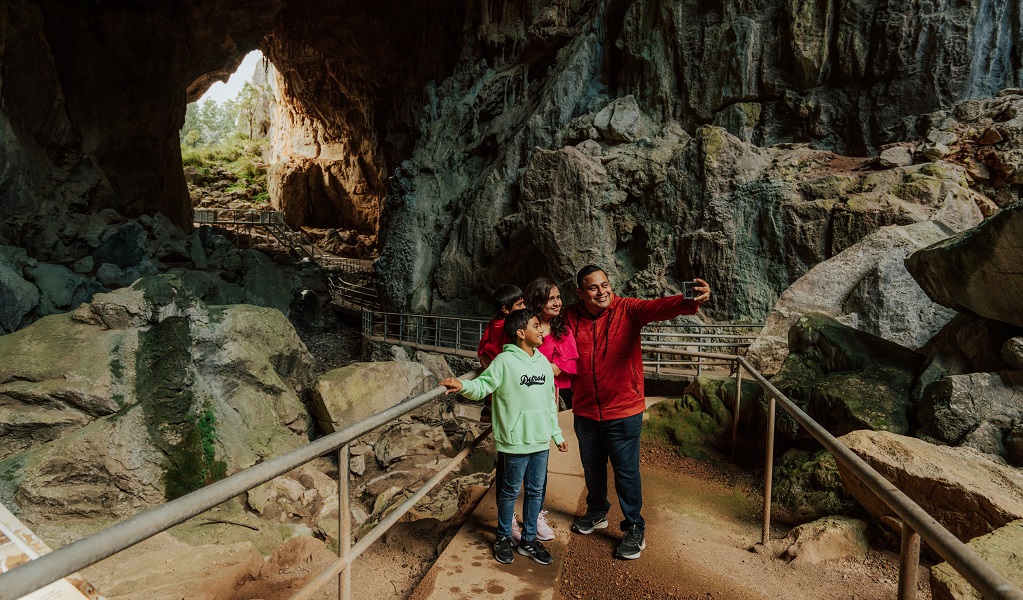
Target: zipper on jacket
(593, 365)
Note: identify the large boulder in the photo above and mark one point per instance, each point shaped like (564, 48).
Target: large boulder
(844, 378)
(1000, 549)
(144, 395)
(806, 486)
(967, 344)
(828, 538)
(956, 406)
(345, 396)
(18, 298)
(978, 270)
(865, 286)
(969, 493)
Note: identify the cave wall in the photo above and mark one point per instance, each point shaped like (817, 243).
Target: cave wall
(422, 118)
(847, 76)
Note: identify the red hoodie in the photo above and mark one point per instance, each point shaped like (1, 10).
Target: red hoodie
(609, 384)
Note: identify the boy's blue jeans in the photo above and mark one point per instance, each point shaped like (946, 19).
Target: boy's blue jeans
(527, 471)
(616, 440)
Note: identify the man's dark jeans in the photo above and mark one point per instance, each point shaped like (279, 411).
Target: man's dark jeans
(617, 440)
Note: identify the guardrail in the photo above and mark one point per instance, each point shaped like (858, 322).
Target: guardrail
(460, 335)
(35, 574)
(916, 522)
(271, 220)
(438, 333)
(727, 338)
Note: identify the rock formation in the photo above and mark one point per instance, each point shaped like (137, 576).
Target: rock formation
(455, 104)
(141, 396)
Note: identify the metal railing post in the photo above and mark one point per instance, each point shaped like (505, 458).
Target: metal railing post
(735, 411)
(909, 560)
(768, 472)
(344, 523)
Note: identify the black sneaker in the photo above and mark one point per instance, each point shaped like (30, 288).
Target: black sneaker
(485, 415)
(632, 544)
(503, 550)
(535, 550)
(590, 521)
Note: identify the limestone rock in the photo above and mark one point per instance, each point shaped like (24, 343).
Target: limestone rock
(865, 286)
(59, 288)
(125, 248)
(1012, 352)
(622, 121)
(954, 406)
(100, 422)
(147, 302)
(967, 344)
(352, 393)
(828, 538)
(807, 486)
(288, 569)
(845, 379)
(896, 156)
(1000, 549)
(56, 377)
(450, 499)
(404, 439)
(17, 298)
(977, 270)
(969, 493)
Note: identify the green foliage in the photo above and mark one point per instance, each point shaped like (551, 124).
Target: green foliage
(684, 425)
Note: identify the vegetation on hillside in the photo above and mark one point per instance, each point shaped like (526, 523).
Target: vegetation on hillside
(226, 141)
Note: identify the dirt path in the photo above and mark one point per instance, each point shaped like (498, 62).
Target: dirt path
(702, 520)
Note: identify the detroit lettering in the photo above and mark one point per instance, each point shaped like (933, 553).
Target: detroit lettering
(528, 380)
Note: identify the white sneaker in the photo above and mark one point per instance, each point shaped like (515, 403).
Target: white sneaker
(544, 533)
(516, 532)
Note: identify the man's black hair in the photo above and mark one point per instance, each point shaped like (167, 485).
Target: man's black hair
(584, 272)
(516, 320)
(505, 296)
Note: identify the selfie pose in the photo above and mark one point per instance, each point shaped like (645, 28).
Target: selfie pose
(609, 398)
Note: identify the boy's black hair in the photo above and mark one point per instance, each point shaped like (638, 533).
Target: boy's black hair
(587, 270)
(505, 296)
(516, 320)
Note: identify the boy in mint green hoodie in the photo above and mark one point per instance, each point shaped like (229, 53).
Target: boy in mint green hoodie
(525, 421)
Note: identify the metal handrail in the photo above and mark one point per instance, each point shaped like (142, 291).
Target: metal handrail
(89, 550)
(425, 331)
(917, 523)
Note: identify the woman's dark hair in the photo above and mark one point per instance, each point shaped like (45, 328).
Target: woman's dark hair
(516, 320)
(536, 295)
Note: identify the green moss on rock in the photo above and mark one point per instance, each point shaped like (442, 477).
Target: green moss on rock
(807, 487)
(177, 428)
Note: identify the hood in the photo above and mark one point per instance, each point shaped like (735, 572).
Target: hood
(520, 354)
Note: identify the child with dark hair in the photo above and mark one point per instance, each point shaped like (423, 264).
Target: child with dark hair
(525, 422)
(507, 298)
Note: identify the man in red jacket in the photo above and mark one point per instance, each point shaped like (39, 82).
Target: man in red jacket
(609, 400)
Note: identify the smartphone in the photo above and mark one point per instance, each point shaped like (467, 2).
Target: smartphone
(689, 290)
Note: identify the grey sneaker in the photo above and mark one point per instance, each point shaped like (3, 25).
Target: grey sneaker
(590, 521)
(503, 552)
(632, 544)
(535, 550)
